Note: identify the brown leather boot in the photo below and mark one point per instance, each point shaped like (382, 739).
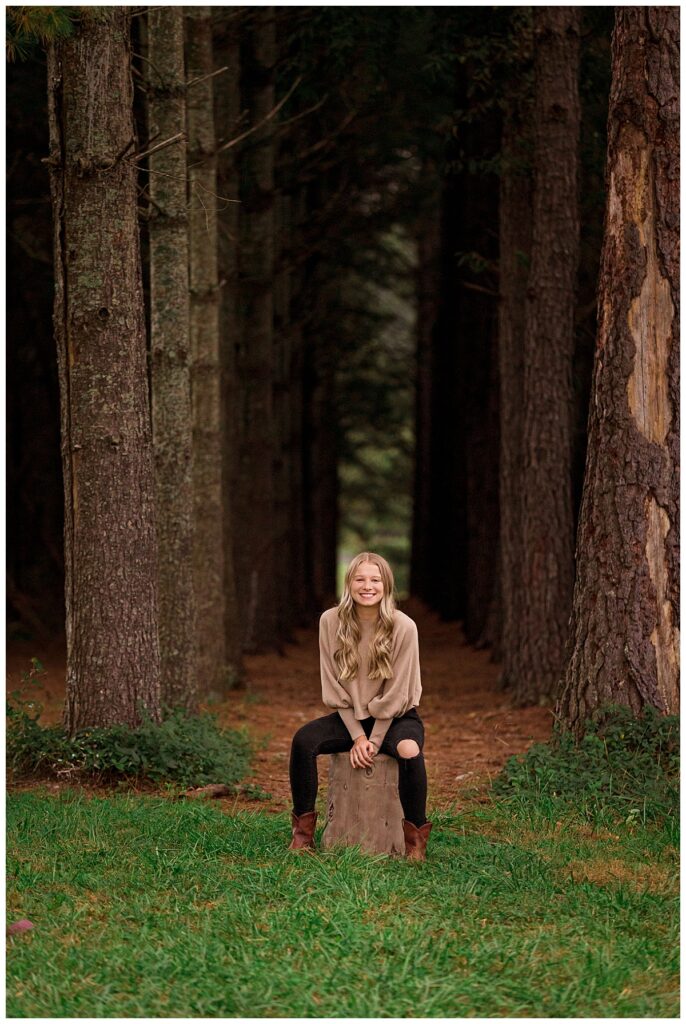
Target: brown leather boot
(303, 830)
(416, 839)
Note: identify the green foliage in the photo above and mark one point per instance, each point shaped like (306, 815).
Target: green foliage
(623, 763)
(26, 27)
(182, 749)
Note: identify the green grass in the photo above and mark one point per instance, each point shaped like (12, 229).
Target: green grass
(145, 907)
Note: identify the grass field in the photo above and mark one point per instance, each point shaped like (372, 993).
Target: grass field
(146, 907)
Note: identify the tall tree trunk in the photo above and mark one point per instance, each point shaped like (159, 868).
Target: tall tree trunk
(490, 634)
(476, 338)
(447, 540)
(320, 437)
(283, 421)
(298, 288)
(624, 635)
(170, 348)
(515, 253)
(206, 371)
(227, 97)
(113, 656)
(548, 552)
(428, 240)
(254, 548)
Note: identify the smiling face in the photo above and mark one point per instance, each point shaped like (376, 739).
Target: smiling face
(366, 585)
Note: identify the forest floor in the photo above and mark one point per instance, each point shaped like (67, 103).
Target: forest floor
(471, 727)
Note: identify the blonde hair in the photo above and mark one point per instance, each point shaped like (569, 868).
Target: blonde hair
(348, 633)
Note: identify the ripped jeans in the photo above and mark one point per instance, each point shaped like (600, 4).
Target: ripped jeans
(329, 735)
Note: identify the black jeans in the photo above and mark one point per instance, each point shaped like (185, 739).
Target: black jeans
(329, 735)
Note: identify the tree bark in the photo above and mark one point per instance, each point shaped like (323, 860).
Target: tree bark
(206, 371)
(298, 286)
(283, 423)
(227, 114)
(514, 259)
(428, 240)
(447, 540)
(254, 550)
(476, 331)
(113, 657)
(170, 348)
(624, 630)
(548, 563)
(320, 442)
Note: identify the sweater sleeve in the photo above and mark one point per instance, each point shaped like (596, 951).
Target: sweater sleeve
(379, 730)
(333, 694)
(394, 698)
(352, 724)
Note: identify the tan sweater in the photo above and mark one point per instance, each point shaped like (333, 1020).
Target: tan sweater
(362, 697)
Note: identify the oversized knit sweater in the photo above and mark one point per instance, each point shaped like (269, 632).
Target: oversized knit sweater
(362, 697)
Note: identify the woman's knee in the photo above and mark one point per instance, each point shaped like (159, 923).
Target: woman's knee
(305, 739)
(408, 748)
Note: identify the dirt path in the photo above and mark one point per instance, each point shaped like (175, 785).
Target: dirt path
(471, 728)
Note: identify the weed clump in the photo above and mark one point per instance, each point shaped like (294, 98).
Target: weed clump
(189, 750)
(623, 763)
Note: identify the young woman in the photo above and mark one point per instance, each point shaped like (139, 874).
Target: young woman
(369, 660)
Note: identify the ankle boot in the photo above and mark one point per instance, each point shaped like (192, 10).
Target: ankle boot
(416, 839)
(303, 826)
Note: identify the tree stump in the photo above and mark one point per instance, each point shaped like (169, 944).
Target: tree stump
(364, 806)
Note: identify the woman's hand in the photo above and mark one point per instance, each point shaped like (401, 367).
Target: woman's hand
(362, 753)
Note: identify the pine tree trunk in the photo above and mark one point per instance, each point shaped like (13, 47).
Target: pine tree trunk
(113, 657)
(447, 539)
(298, 287)
(624, 636)
(206, 370)
(283, 422)
(254, 549)
(320, 447)
(170, 347)
(475, 335)
(227, 113)
(515, 252)
(490, 634)
(548, 554)
(428, 240)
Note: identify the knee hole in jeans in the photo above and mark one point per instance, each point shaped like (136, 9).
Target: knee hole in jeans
(407, 749)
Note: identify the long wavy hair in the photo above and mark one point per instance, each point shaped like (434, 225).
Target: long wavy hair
(348, 633)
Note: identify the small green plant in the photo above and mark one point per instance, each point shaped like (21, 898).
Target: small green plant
(187, 750)
(253, 697)
(625, 763)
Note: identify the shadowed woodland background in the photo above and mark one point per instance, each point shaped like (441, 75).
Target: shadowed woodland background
(395, 217)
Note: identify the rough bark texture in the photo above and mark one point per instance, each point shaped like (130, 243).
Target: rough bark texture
(624, 637)
(515, 254)
(206, 371)
(363, 806)
(283, 423)
(548, 553)
(428, 240)
(476, 331)
(113, 659)
(491, 618)
(297, 542)
(227, 113)
(447, 539)
(320, 446)
(170, 348)
(254, 547)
